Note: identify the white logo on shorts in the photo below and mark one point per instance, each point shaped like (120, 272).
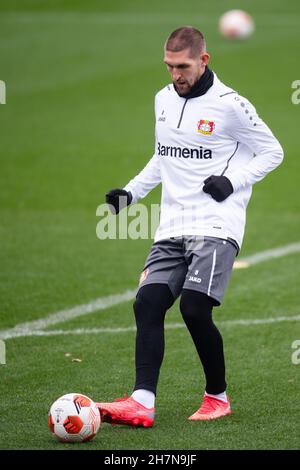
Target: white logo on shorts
(195, 279)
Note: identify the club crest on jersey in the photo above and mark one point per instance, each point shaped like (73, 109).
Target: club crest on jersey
(205, 127)
(144, 276)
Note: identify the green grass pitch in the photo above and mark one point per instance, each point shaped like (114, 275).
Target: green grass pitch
(78, 120)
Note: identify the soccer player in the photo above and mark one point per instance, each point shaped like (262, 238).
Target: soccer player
(211, 147)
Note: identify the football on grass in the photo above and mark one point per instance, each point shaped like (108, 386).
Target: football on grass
(74, 418)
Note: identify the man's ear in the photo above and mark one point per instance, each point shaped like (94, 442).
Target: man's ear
(204, 58)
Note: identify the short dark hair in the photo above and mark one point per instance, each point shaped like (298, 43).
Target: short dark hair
(186, 37)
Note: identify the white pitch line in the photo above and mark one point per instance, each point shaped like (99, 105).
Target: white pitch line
(269, 254)
(62, 316)
(103, 303)
(168, 326)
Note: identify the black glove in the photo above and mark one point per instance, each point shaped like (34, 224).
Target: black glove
(219, 187)
(118, 198)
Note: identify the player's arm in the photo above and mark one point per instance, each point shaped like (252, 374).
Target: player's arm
(245, 126)
(248, 128)
(138, 187)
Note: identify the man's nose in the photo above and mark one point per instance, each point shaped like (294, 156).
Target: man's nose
(175, 74)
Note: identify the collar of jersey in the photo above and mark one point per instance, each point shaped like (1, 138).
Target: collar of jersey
(201, 86)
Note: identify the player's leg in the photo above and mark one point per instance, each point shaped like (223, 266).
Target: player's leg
(152, 302)
(161, 282)
(150, 307)
(196, 308)
(210, 266)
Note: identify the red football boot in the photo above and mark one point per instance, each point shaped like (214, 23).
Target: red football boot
(126, 411)
(211, 408)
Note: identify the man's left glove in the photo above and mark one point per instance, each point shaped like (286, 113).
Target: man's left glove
(219, 187)
(118, 198)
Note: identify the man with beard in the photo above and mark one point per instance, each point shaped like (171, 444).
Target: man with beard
(211, 147)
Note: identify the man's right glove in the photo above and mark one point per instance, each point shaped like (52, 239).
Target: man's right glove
(118, 198)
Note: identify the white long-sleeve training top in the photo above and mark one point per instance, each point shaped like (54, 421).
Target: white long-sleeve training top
(218, 133)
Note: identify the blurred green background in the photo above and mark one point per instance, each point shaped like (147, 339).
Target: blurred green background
(81, 78)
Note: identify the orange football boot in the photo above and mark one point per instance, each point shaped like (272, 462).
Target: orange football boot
(126, 411)
(211, 408)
